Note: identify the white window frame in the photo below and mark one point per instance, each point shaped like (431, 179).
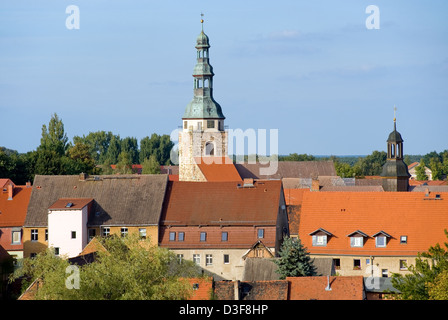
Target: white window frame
(378, 245)
(197, 258)
(105, 231)
(208, 259)
(16, 237)
(357, 242)
(34, 235)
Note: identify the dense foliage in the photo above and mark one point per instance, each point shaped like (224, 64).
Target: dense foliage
(129, 269)
(294, 260)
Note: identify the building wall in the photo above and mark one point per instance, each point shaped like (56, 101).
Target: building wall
(31, 246)
(6, 241)
(380, 263)
(233, 270)
(61, 225)
(152, 232)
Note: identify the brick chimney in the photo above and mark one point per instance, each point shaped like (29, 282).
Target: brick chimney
(10, 191)
(28, 184)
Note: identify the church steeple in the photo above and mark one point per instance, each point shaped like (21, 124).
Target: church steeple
(395, 172)
(203, 137)
(203, 105)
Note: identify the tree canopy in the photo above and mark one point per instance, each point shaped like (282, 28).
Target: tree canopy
(129, 269)
(294, 260)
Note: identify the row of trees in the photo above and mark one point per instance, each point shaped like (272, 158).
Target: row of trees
(92, 154)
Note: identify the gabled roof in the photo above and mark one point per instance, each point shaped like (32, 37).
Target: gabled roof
(221, 203)
(357, 232)
(419, 217)
(119, 199)
(13, 212)
(287, 169)
(70, 203)
(316, 288)
(217, 168)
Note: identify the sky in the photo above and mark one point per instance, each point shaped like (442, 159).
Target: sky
(312, 70)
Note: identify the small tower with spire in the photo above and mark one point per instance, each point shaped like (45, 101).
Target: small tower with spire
(395, 172)
(203, 136)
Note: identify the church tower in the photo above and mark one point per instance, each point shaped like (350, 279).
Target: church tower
(203, 137)
(395, 172)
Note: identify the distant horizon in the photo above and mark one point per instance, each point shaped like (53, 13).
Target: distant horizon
(318, 72)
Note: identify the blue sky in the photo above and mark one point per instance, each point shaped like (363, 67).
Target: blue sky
(310, 69)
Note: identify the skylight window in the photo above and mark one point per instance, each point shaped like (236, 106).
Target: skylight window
(69, 205)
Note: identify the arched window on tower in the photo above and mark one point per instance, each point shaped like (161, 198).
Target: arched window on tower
(209, 149)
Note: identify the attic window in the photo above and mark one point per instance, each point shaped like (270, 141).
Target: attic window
(357, 239)
(320, 237)
(69, 205)
(381, 239)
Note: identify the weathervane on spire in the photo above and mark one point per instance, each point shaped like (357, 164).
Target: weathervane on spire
(202, 21)
(395, 110)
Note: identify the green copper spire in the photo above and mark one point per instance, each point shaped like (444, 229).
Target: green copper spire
(203, 106)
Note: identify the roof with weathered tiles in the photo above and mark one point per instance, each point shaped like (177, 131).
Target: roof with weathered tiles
(13, 212)
(118, 199)
(221, 203)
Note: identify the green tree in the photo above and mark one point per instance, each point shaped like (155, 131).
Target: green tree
(79, 160)
(54, 137)
(157, 145)
(426, 277)
(151, 166)
(294, 260)
(124, 164)
(436, 168)
(421, 171)
(297, 157)
(98, 143)
(130, 269)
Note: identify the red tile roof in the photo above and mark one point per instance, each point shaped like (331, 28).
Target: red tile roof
(218, 168)
(421, 218)
(13, 212)
(314, 288)
(221, 203)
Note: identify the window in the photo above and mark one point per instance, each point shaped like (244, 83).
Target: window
(124, 232)
(180, 258)
(380, 241)
(356, 241)
(92, 234)
(197, 258)
(34, 235)
(226, 259)
(320, 240)
(356, 264)
(185, 125)
(56, 251)
(73, 234)
(337, 263)
(181, 236)
(172, 236)
(208, 260)
(403, 265)
(46, 234)
(224, 236)
(210, 124)
(142, 233)
(195, 286)
(260, 233)
(403, 239)
(209, 149)
(106, 231)
(203, 236)
(16, 237)
(384, 273)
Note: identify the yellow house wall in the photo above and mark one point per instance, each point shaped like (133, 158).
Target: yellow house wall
(29, 247)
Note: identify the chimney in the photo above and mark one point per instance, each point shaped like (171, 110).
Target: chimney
(426, 192)
(315, 184)
(28, 184)
(82, 176)
(236, 290)
(328, 288)
(10, 191)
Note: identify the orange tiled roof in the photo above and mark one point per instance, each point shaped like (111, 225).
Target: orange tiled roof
(294, 196)
(13, 212)
(218, 168)
(313, 288)
(421, 218)
(217, 203)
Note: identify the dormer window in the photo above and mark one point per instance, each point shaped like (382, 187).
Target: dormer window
(381, 239)
(357, 239)
(320, 237)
